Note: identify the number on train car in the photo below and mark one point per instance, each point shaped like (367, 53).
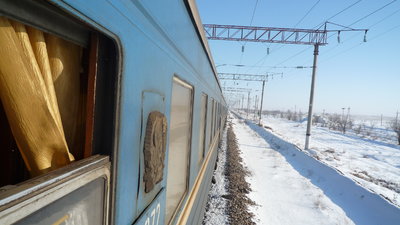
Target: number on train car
(155, 214)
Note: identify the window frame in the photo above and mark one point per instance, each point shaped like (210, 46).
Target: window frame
(204, 131)
(179, 81)
(212, 121)
(101, 47)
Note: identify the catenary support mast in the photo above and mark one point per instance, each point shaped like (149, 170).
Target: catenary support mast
(282, 36)
(310, 106)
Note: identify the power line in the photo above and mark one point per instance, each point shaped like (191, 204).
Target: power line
(289, 73)
(282, 46)
(308, 12)
(251, 22)
(345, 9)
(366, 16)
(362, 18)
(254, 12)
(373, 25)
(319, 25)
(285, 67)
(338, 13)
(385, 18)
(358, 44)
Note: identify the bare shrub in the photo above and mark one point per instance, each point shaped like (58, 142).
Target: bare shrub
(395, 126)
(358, 128)
(289, 115)
(340, 123)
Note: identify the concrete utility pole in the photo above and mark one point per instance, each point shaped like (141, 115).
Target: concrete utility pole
(248, 104)
(261, 105)
(348, 114)
(255, 107)
(310, 106)
(242, 102)
(342, 113)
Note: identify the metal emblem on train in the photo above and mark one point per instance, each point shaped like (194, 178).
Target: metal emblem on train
(154, 149)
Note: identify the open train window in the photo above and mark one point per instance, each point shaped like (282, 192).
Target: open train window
(57, 108)
(202, 129)
(179, 146)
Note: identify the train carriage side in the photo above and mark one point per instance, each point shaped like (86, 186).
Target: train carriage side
(145, 145)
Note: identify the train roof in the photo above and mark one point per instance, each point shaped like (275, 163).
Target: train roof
(191, 4)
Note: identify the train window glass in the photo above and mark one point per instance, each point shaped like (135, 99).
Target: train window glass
(219, 116)
(202, 129)
(212, 121)
(209, 122)
(219, 113)
(215, 118)
(179, 145)
(83, 206)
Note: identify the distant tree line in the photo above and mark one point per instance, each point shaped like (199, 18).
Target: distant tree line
(337, 122)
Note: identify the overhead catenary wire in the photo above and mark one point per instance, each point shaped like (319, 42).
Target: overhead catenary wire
(357, 21)
(358, 44)
(301, 20)
(254, 12)
(355, 35)
(289, 73)
(370, 14)
(331, 17)
(308, 12)
(241, 65)
(251, 22)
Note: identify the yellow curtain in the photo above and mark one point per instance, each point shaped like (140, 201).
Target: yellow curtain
(65, 62)
(32, 64)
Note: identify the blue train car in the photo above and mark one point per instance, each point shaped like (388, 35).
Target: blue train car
(111, 112)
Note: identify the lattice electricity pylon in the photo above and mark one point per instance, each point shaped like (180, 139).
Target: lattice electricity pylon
(246, 77)
(272, 34)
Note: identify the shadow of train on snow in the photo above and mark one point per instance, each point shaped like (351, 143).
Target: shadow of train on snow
(359, 204)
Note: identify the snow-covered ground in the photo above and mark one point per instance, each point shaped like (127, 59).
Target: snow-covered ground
(291, 187)
(374, 128)
(373, 164)
(216, 205)
(282, 195)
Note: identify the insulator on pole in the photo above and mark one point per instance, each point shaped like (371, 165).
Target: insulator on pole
(242, 48)
(267, 51)
(365, 36)
(338, 36)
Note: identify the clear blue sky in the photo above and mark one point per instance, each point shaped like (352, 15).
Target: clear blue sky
(362, 76)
